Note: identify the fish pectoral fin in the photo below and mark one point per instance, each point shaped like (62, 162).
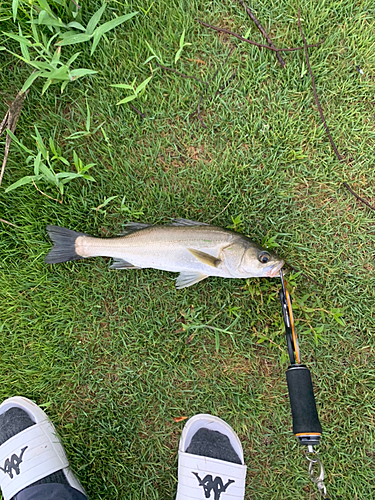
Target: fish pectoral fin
(205, 258)
(188, 278)
(122, 264)
(187, 222)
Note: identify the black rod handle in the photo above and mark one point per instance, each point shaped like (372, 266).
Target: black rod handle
(306, 425)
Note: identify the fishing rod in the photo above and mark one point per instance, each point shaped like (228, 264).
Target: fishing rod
(306, 425)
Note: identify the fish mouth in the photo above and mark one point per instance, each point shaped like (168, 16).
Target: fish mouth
(276, 269)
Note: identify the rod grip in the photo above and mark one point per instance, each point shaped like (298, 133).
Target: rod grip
(306, 425)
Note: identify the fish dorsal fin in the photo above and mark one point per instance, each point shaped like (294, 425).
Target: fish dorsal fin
(188, 278)
(122, 264)
(135, 226)
(205, 258)
(130, 227)
(187, 222)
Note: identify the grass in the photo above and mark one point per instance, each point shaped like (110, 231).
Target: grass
(115, 356)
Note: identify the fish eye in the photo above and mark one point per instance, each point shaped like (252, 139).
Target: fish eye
(264, 257)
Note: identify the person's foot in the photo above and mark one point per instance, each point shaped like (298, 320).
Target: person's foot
(210, 461)
(31, 455)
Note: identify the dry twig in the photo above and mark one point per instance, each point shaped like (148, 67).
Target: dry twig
(142, 115)
(260, 45)
(346, 185)
(10, 122)
(263, 31)
(7, 222)
(179, 73)
(216, 216)
(44, 194)
(339, 157)
(315, 92)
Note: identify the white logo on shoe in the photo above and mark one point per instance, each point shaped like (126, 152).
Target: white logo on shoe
(216, 485)
(13, 463)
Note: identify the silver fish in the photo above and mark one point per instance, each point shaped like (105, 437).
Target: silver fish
(194, 249)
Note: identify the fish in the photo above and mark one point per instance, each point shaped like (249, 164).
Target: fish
(196, 250)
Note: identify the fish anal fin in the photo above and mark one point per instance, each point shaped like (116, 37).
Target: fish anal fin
(187, 222)
(188, 278)
(205, 258)
(122, 264)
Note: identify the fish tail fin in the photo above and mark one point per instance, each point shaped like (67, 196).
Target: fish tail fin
(64, 241)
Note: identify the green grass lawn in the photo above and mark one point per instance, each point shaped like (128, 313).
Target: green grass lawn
(114, 356)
